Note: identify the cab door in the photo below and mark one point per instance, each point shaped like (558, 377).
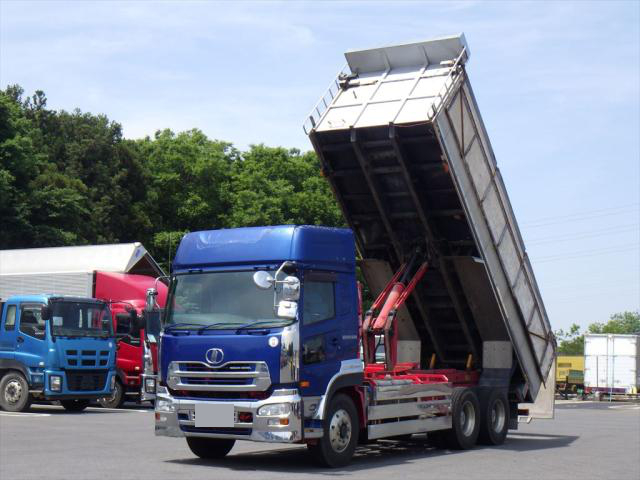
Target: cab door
(30, 346)
(8, 335)
(326, 339)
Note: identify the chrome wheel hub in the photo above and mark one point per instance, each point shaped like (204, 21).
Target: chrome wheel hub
(468, 419)
(13, 391)
(498, 416)
(340, 430)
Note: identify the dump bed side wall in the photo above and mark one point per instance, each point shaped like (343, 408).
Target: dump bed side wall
(480, 186)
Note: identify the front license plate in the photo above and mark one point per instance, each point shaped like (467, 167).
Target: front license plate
(214, 416)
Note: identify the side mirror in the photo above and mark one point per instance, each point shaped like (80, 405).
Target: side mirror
(123, 324)
(151, 303)
(45, 312)
(137, 322)
(291, 288)
(263, 280)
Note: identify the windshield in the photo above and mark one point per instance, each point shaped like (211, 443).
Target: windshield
(80, 319)
(219, 300)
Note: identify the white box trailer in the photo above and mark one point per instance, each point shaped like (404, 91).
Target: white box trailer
(612, 363)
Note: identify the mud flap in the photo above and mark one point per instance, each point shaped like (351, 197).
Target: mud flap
(544, 405)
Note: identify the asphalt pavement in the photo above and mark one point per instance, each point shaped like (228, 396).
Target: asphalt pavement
(586, 440)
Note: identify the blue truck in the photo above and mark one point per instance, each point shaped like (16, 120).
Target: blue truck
(55, 348)
(269, 336)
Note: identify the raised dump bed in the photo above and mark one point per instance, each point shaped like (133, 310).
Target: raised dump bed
(402, 144)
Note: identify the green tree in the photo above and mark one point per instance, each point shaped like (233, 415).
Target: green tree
(188, 184)
(19, 165)
(271, 186)
(571, 342)
(66, 178)
(623, 323)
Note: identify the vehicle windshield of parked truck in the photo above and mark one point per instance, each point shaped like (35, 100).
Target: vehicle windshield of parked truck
(219, 300)
(80, 319)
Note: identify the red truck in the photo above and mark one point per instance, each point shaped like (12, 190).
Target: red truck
(120, 274)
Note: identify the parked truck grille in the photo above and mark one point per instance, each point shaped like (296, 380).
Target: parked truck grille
(84, 381)
(87, 358)
(232, 376)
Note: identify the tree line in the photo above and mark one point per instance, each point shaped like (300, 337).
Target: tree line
(71, 178)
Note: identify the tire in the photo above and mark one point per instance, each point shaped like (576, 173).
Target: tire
(75, 406)
(14, 393)
(116, 399)
(341, 429)
(465, 416)
(494, 418)
(210, 448)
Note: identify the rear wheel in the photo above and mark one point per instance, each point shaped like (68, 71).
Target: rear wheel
(338, 443)
(77, 405)
(465, 417)
(14, 393)
(116, 399)
(494, 422)
(210, 448)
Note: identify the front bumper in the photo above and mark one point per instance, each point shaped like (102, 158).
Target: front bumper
(148, 388)
(43, 390)
(174, 418)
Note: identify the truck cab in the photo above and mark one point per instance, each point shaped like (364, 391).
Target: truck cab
(55, 348)
(230, 342)
(136, 347)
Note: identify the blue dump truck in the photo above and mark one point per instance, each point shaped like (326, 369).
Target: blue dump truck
(55, 348)
(266, 336)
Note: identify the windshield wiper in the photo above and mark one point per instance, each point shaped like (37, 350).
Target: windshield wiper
(181, 324)
(217, 324)
(257, 322)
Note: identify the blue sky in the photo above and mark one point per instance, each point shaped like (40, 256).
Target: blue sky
(558, 85)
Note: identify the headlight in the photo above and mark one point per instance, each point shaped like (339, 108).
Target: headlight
(274, 410)
(55, 383)
(150, 385)
(164, 406)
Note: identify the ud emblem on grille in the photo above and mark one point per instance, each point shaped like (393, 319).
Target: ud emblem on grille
(214, 356)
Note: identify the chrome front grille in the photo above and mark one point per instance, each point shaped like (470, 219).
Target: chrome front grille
(231, 376)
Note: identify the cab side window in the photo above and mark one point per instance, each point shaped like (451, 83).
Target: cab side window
(31, 322)
(318, 301)
(10, 322)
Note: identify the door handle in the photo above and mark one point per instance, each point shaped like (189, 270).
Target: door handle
(20, 339)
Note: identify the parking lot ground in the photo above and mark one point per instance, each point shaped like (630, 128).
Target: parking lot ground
(586, 440)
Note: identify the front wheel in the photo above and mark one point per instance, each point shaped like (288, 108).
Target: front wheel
(116, 399)
(341, 428)
(210, 448)
(74, 405)
(14, 393)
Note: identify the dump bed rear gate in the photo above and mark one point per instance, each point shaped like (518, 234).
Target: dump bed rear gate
(402, 144)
